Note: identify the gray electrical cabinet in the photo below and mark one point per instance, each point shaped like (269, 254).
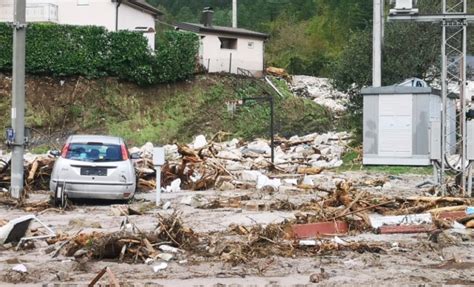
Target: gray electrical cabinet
(401, 124)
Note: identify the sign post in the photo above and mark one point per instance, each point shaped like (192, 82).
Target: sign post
(158, 162)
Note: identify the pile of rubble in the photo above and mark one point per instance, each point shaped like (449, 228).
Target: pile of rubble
(227, 165)
(37, 171)
(320, 90)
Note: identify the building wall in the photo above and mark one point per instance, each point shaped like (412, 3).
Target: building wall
(247, 55)
(87, 12)
(94, 12)
(131, 18)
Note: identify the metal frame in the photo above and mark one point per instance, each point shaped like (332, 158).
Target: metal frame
(454, 20)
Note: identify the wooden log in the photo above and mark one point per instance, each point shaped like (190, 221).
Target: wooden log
(33, 169)
(309, 170)
(459, 200)
(447, 208)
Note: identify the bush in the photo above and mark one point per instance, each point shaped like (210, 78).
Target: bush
(91, 51)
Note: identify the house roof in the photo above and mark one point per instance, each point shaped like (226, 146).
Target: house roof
(143, 6)
(200, 28)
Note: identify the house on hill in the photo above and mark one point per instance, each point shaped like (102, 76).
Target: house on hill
(114, 15)
(227, 49)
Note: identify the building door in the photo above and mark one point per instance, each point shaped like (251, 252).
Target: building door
(395, 125)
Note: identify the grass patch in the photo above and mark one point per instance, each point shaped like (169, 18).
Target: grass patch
(352, 163)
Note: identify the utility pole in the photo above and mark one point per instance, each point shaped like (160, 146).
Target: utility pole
(18, 98)
(377, 41)
(454, 19)
(234, 13)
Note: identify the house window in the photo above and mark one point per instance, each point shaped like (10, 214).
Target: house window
(228, 43)
(250, 45)
(82, 2)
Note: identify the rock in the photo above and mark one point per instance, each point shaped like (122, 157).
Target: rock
(166, 256)
(199, 142)
(263, 181)
(63, 276)
(307, 181)
(171, 152)
(387, 185)
(175, 186)
(115, 210)
(290, 181)
(231, 155)
(20, 268)
(259, 146)
(166, 205)
(194, 200)
(226, 186)
(250, 175)
(147, 150)
(160, 266)
(167, 248)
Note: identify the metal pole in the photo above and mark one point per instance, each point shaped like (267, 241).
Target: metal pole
(158, 184)
(377, 44)
(465, 170)
(444, 108)
(230, 64)
(272, 135)
(234, 13)
(18, 98)
(117, 5)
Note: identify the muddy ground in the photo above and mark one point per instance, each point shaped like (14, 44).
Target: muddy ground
(407, 259)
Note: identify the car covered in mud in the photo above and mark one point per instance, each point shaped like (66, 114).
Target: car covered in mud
(93, 166)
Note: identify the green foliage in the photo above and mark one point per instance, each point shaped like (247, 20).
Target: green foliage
(90, 51)
(176, 54)
(410, 50)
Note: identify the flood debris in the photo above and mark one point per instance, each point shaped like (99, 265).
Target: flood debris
(320, 90)
(113, 282)
(206, 164)
(17, 230)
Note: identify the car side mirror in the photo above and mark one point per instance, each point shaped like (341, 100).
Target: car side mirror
(135, 155)
(55, 153)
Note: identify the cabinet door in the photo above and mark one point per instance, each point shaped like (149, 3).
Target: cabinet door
(395, 125)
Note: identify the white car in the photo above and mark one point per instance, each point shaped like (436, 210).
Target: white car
(91, 166)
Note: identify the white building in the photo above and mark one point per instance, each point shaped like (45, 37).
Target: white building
(134, 15)
(226, 49)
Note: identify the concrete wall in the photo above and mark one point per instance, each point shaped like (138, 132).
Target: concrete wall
(247, 55)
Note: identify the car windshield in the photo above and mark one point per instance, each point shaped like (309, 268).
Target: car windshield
(94, 152)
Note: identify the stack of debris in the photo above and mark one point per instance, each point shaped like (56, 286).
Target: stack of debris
(203, 165)
(38, 170)
(320, 90)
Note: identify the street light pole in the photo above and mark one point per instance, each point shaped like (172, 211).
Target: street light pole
(272, 131)
(377, 41)
(18, 98)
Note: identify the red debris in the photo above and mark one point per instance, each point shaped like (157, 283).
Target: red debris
(301, 231)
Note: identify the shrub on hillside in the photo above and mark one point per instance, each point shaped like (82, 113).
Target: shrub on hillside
(90, 51)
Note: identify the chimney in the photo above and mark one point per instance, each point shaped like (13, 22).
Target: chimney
(207, 15)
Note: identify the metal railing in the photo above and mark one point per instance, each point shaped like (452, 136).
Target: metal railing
(35, 12)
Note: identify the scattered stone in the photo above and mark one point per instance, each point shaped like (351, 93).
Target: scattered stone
(226, 186)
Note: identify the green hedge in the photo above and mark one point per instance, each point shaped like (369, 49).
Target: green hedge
(65, 50)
